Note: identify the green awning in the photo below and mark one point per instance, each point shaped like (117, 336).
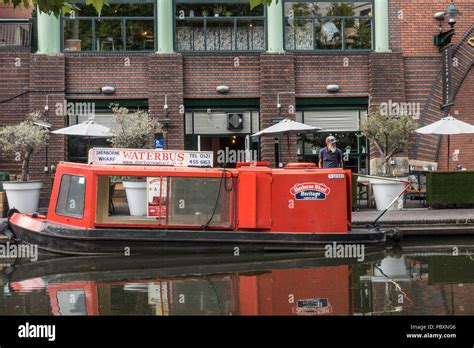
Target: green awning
(101, 104)
(247, 103)
(354, 103)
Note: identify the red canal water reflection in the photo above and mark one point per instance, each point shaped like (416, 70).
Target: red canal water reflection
(407, 284)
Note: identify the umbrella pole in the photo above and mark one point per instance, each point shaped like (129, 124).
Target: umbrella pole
(449, 150)
(288, 137)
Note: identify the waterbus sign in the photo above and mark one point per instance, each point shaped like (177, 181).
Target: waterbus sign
(176, 158)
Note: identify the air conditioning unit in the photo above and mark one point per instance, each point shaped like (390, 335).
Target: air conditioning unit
(235, 121)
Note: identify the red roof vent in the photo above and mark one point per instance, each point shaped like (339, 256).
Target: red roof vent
(253, 164)
(301, 165)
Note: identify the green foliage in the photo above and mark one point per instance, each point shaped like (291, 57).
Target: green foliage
(341, 10)
(453, 188)
(98, 4)
(303, 9)
(255, 3)
(390, 134)
(24, 138)
(211, 10)
(132, 130)
(57, 7)
(318, 139)
(364, 35)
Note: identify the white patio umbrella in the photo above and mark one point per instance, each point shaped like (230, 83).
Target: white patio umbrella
(287, 127)
(447, 126)
(87, 128)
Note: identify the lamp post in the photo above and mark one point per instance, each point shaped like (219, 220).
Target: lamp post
(443, 41)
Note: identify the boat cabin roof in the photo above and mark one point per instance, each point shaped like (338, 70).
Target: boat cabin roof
(135, 170)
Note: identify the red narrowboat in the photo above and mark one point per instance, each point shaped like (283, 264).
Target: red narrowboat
(249, 208)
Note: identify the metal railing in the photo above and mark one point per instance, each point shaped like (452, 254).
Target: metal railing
(15, 33)
(220, 34)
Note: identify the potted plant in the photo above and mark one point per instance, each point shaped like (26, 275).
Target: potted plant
(23, 140)
(133, 130)
(390, 136)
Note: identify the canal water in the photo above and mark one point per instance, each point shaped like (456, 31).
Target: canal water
(412, 278)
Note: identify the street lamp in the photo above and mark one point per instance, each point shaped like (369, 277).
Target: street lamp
(444, 38)
(452, 13)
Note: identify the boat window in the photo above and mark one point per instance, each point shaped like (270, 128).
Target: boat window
(71, 196)
(71, 302)
(165, 200)
(200, 201)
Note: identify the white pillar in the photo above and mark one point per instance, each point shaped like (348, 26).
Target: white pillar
(381, 26)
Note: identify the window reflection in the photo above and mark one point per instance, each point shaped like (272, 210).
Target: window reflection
(121, 27)
(328, 25)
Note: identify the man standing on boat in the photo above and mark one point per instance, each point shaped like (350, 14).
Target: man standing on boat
(330, 156)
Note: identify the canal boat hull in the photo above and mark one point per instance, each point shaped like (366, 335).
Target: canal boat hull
(128, 241)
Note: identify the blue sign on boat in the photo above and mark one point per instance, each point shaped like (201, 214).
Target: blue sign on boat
(159, 143)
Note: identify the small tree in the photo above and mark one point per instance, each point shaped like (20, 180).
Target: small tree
(132, 130)
(24, 139)
(390, 134)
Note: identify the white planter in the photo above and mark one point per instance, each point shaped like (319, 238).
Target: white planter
(136, 197)
(23, 195)
(385, 191)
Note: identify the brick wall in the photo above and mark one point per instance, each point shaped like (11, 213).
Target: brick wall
(412, 27)
(29, 83)
(165, 73)
(87, 73)
(418, 26)
(204, 72)
(14, 96)
(47, 85)
(386, 78)
(7, 11)
(420, 76)
(277, 76)
(462, 110)
(427, 147)
(14, 85)
(314, 72)
(386, 82)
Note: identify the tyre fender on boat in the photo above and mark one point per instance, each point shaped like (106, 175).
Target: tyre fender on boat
(5, 228)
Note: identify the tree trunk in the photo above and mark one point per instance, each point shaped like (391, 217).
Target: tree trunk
(385, 165)
(25, 167)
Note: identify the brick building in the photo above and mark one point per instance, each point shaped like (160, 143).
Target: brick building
(170, 57)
